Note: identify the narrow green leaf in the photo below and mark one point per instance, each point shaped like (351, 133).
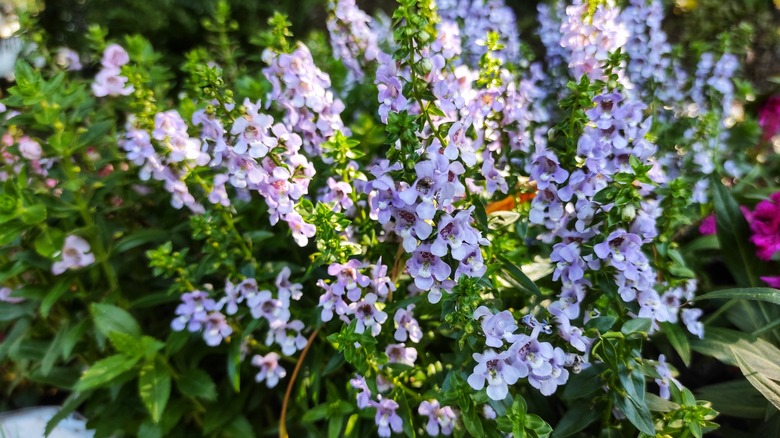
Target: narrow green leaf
(154, 388)
(72, 403)
(679, 341)
(139, 238)
(735, 398)
(110, 318)
(519, 276)
(53, 353)
(767, 294)
(55, 293)
(479, 213)
(637, 414)
(770, 389)
(578, 417)
(658, 404)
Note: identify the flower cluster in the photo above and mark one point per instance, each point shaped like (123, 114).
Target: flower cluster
(352, 40)
(355, 295)
(525, 356)
(198, 312)
(303, 92)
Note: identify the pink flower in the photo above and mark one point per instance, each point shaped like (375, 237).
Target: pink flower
(769, 118)
(765, 224)
(772, 281)
(708, 225)
(114, 57)
(75, 254)
(29, 148)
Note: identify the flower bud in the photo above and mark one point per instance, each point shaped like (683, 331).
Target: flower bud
(628, 213)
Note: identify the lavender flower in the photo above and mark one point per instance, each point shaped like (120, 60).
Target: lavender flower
(406, 325)
(368, 316)
(75, 255)
(270, 370)
(400, 353)
(439, 418)
(386, 417)
(364, 394)
(494, 369)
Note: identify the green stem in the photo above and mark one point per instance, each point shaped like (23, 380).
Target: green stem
(86, 215)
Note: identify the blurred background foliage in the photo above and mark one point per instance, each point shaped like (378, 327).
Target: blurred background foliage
(176, 26)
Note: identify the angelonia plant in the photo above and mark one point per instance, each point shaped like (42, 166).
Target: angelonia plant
(406, 224)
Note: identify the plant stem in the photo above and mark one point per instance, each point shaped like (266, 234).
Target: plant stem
(283, 417)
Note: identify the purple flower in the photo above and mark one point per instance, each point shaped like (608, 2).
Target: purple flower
(368, 316)
(406, 325)
(428, 182)
(424, 267)
(400, 353)
(349, 280)
(287, 289)
(439, 417)
(215, 329)
(386, 417)
(75, 255)
(690, 318)
(192, 312)
(287, 336)
(545, 169)
(69, 59)
(264, 305)
(114, 56)
(364, 394)
(109, 82)
(5, 296)
(665, 377)
(622, 249)
(301, 230)
(270, 370)
(494, 369)
(496, 327)
(380, 282)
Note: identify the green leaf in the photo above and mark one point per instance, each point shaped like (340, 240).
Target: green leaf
(104, 371)
(126, 344)
(519, 276)
(733, 234)
(72, 403)
(636, 325)
(658, 404)
(139, 238)
(736, 398)
(14, 311)
(770, 389)
(479, 213)
(49, 242)
(578, 417)
(637, 414)
(583, 384)
(95, 132)
(767, 294)
(674, 333)
(109, 318)
(406, 414)
(198, 384)
(154, 387)
(54, 294)
(316, 413)
(53, 353)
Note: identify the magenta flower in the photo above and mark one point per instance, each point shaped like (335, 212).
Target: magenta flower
(765, 224)
(75, 255)
(772, 281)
(708, 226)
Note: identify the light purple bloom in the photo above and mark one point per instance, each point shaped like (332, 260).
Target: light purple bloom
(364, 394)
(75, 255)
(406, 325)
(424, 267)
(493, 368)
(114, 56)
(665, 378)
(270, 370)
(386, 417)
(439, 418)
(496, 327)
(368, 316)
